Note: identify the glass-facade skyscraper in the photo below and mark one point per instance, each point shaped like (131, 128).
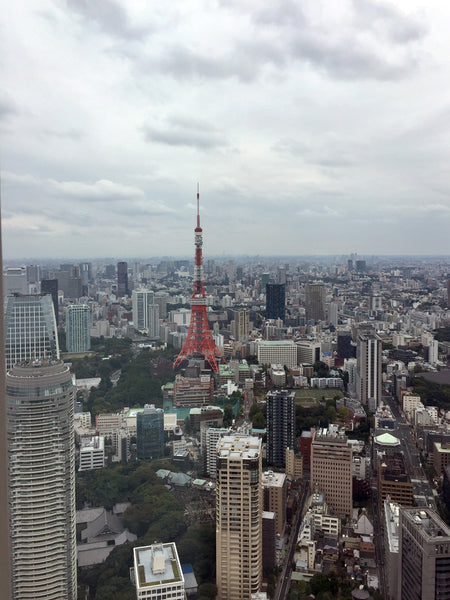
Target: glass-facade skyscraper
(150, 433)
(275, 300)
(30, 329)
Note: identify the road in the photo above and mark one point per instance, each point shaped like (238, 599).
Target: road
(284, 579)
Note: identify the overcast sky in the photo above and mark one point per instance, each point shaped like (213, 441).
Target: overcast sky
(313, 127)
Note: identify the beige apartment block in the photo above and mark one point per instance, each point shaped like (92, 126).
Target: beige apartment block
(332, 469)
(239, 505)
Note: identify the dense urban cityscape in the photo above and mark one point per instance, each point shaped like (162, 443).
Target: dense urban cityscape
(237, 389)
(232, 428)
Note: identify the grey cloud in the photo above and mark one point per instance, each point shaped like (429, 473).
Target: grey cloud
(381, 17)
(71, 134)
(179, 131)
(110, 16)
(281, 13)
(7, 108)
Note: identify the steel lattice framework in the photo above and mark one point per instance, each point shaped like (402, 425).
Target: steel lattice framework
(199, 339)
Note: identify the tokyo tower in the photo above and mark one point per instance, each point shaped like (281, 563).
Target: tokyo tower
(199, 339)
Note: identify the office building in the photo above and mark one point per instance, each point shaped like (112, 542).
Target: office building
(30, 329)
(393, 479)
(50, 286)
(280, 426)
(15, 281)
(368, 376)
(240, 325)
(86, 276)
(193, 391)
(150, 433)
(40, 399)
(315, 301)
(92, 453)
(424, 550)
(294, 464)
(141, 300)
(308, 352)
(391, 547)
(238, 517)
(332, 469)
(78, 326)
(269, 538)
(275, 301)
(346, 348)
(158, 573)
(122, 279)
(282, 352)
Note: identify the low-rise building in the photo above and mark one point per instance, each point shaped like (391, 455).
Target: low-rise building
(92, 453)
(158, 573)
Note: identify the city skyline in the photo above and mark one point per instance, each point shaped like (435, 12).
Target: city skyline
(321, 128)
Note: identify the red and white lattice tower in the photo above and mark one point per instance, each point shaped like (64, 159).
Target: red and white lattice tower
(199, 339)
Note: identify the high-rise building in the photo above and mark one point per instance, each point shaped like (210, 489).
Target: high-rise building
(86, 276)
(368, 376)
(122, 279)
(50, 286)
(5, 554)
(424, 553)
(238, 517)
(150, 433)
(315, 301)
(78, 325)
(275, 301)
(40, 400)
(30, 329)
(158, 572)
(15, 281)
(332, 469)
(280, 426)
(275, 497)
(141, 300)
(240, 325)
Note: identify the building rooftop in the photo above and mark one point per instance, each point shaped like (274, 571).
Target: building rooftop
(429, 523)
(157, 564)
(238, 446)
(271, 479)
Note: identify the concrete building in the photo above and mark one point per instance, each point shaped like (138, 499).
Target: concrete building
(210, 436)
(15, 281)
(158, 573)
(280, 411)
(30, 329)
(315, 301)
(391, 548)
(240, 325)
(150, 433)
(368, 377)
(275, 496)
(308, 352)
(141, 299)
(238, 517)
(393, 479)
(441, 456)
(41, 450)
(282, 352)
(78, 327)
(424, 555)
(92, 453)
(332, 469)
(193, 391)
(294, 464)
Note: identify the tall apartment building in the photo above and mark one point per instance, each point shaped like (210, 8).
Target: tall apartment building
(240, 325)
(40, 399)
(30, 329)
(424, 551)
(275, 497)
(368, 376)
(282, 352)
(158, 573)
(150, 433)
(332, 469)
(315, 301)
(280, 426)
(275, 301)
(239, 506)
(78, 327)
(210, 437)
(141, 300)
(122, 279)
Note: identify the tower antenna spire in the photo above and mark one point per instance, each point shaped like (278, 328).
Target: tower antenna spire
(198, 205)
